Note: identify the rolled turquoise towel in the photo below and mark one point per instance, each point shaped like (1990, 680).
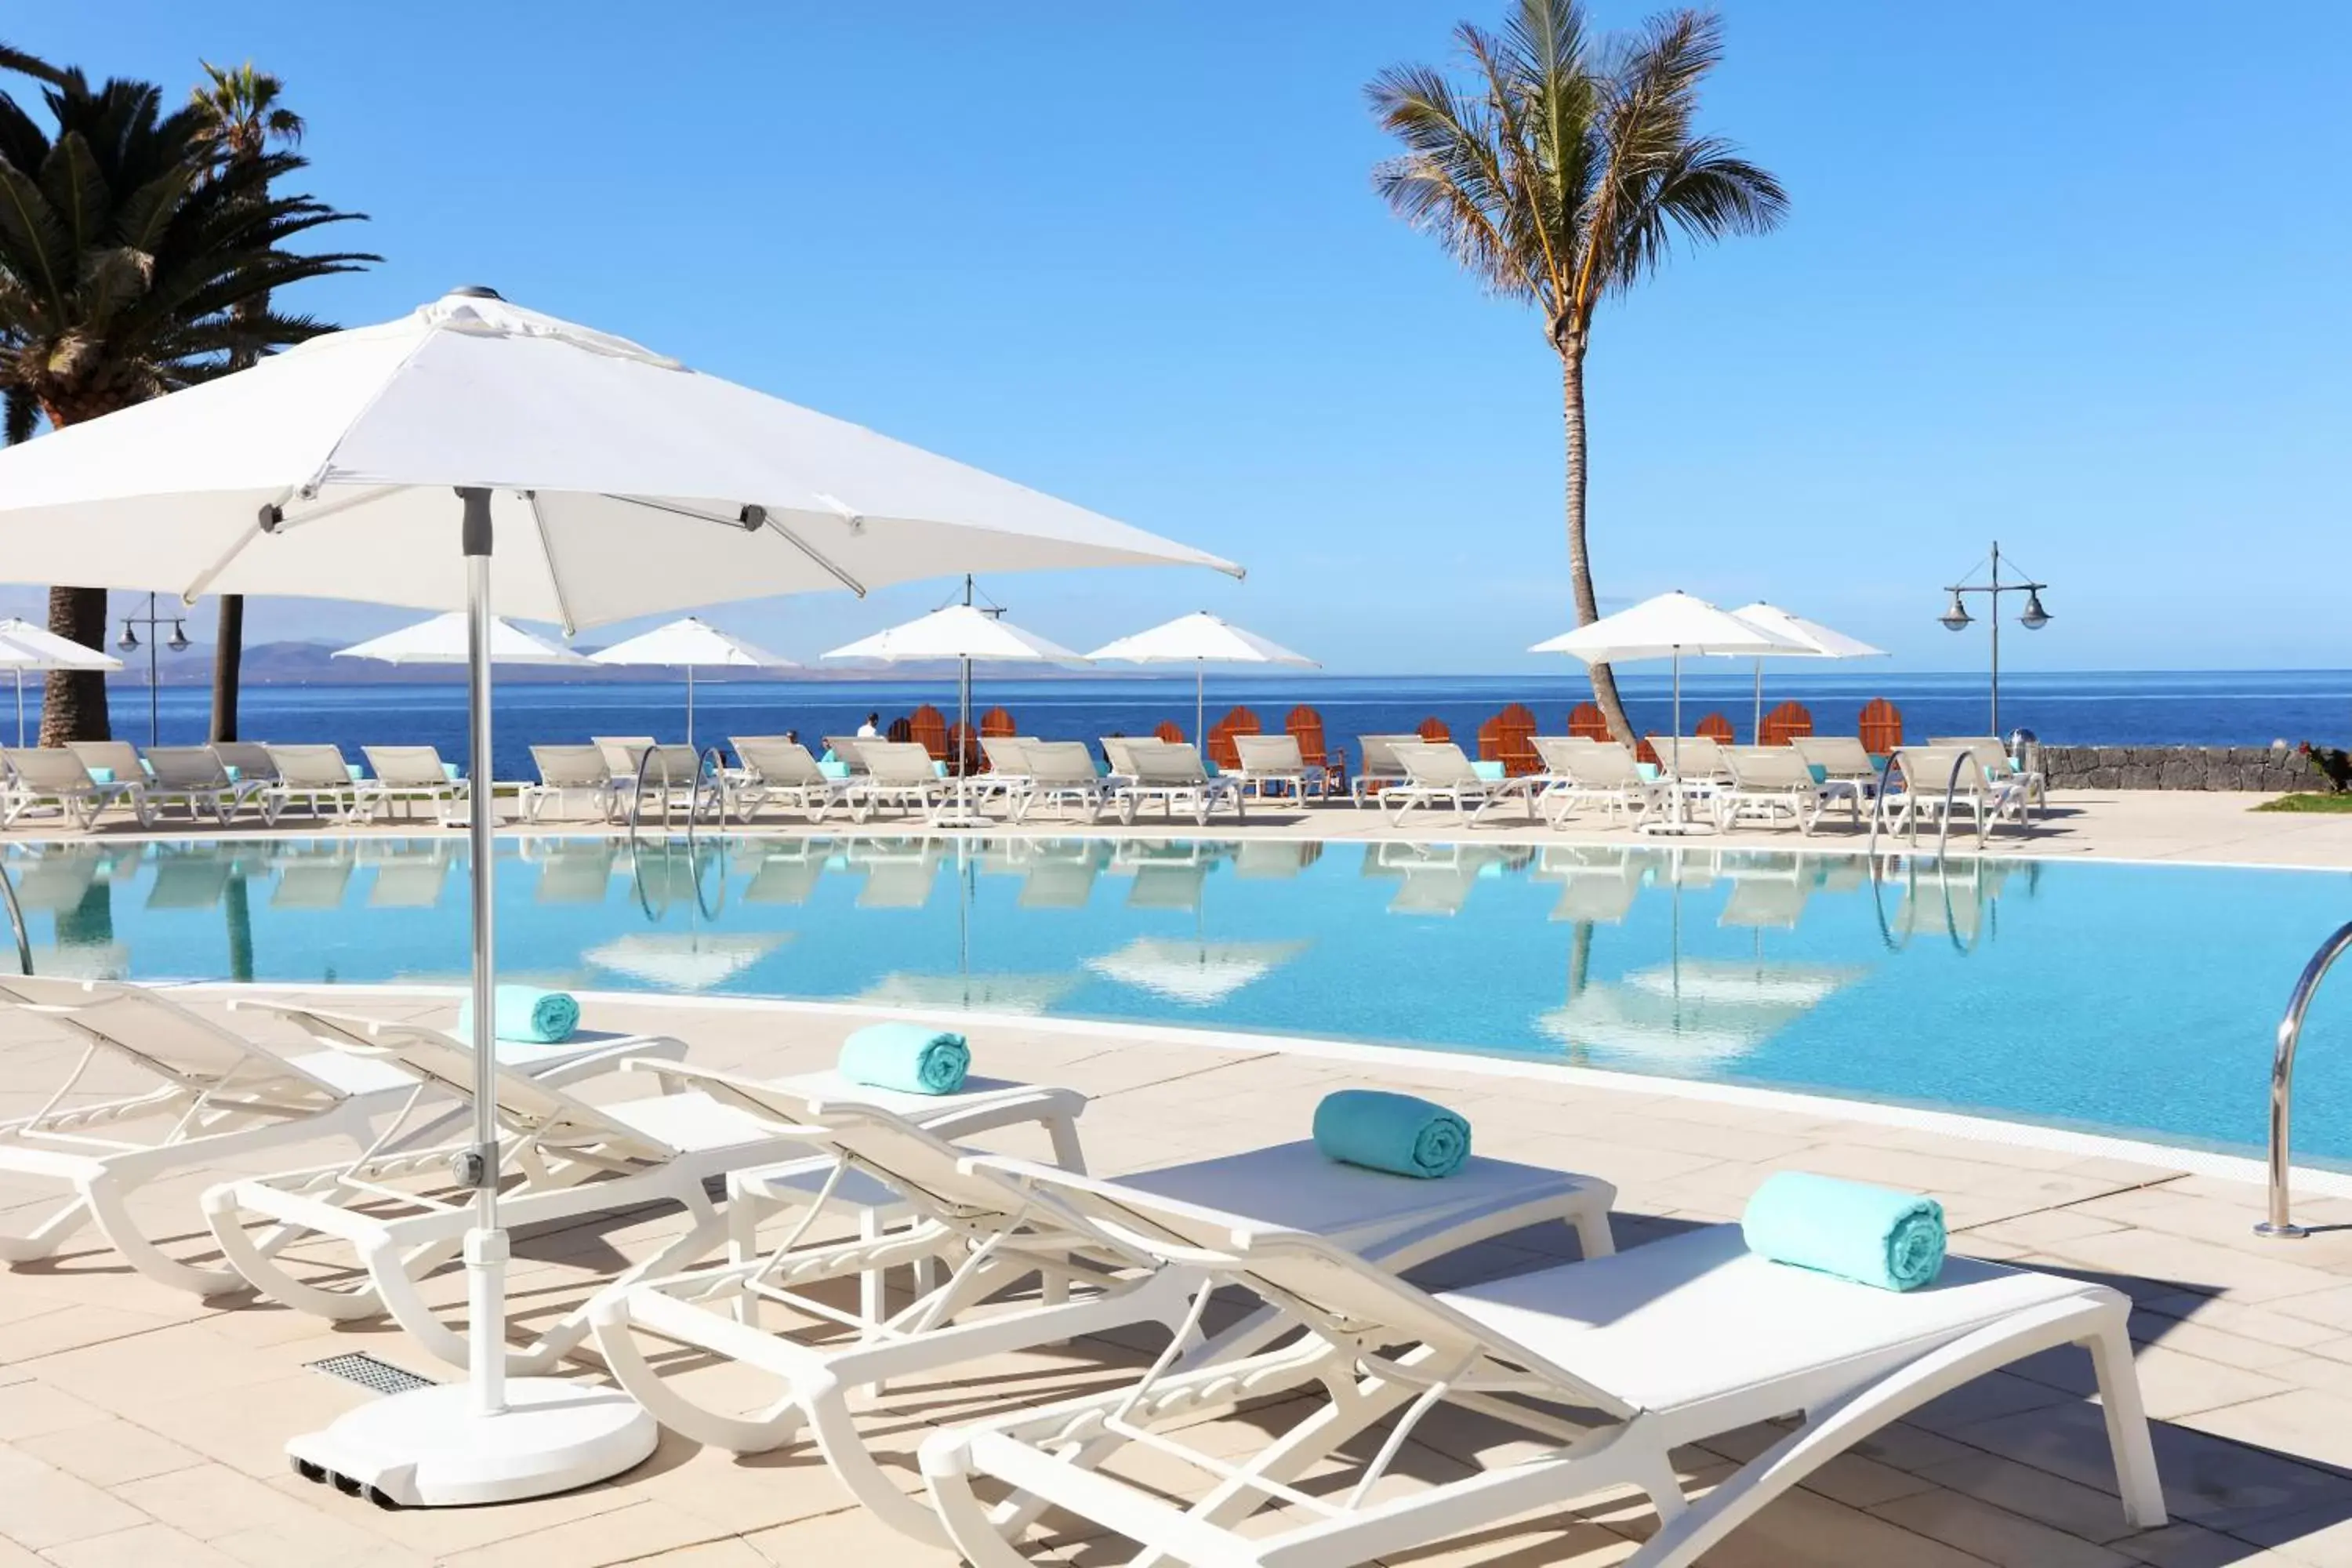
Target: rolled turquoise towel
(1872, 1235)
(1393, 1132)
(526, 1014)
(906, 1057)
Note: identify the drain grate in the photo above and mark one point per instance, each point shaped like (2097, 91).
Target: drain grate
(369, 1373)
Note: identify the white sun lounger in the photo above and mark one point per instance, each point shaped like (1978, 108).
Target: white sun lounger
(193, 778)
(1603, 772)
(566, 771)
(1768, 782)
(1926, 782)
(58, 777)
(315, 776)
(563, 1160)
(1602, 1368)
(219, 1096)
(962, 1216)
(1441, 774)
(777, 772)
(409, 777)
(1275, 760)
(2027, 790)
(1173, 775)
(1380, 769)
(897, 773)
(1061, 773)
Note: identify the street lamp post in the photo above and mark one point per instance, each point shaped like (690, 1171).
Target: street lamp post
(129, 643)
(2033, 617)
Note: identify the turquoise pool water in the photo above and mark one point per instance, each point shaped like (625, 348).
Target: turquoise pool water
(2138, 999)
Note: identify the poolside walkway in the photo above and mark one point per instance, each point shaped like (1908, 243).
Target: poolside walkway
(138, 1427)
(2186, 826)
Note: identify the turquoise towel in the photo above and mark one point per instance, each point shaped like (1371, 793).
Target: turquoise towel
(449, 772)
(1821, 774)
(832, 769)
(1872, 1235)
(525, 1013)
(1492, 771)
(101, 776)
(906, 1057)
(1393, 1132)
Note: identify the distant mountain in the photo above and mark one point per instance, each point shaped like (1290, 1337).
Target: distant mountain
(314, 664)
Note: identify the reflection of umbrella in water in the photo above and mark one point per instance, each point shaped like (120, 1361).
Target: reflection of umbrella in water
(1021, 993)
(1693, 1015)
(1200, 973)
(686, 962)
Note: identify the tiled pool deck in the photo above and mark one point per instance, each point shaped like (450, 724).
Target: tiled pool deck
(138, 1426)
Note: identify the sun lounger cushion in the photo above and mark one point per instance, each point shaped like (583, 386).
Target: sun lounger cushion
(1492, 771)
(101, 776)
(1393, 1132)
(906, 1057)
(1872, 1235)
(526, 1014)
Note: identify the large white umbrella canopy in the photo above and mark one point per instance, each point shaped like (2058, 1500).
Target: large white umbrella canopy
(621, 483)
(964, 632)
(469, 451)
(688, 644)
(23, 646)
(1814, 640)
(444, 640)
(1667, 626)
(1199, 639)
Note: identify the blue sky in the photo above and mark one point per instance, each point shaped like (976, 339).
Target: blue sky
(2069, 276)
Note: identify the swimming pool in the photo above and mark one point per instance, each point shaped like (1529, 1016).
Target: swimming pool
(2128, 998)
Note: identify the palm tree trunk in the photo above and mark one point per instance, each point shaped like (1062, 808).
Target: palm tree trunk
(1580, 557)
(228, 653)
(73, 703)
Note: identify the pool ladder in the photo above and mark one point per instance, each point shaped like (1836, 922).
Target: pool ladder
(2280, 1222)
(17, 921)
(1951, 793)
(710, 764)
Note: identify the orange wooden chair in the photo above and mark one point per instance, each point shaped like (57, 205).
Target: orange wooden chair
(1170, 731)
(1718, 728)
(1508, 738)
(1789, 721)
(929, 728)
(1880, 727)
(1434, 731)
(1305, 727)
(1585, 722)
(1239, 722)
(901, 729)
(963, 745)
(997, 724)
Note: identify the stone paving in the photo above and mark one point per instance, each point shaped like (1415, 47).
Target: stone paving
(140, 1427)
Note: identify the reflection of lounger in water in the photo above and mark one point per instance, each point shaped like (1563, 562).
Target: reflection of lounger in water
(412, 880)
(193, 879)
(314, 882)
(1778, 901)
(58, 878)
(576, 874)
(786, 879)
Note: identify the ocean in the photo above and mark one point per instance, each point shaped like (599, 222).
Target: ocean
(2198, 708)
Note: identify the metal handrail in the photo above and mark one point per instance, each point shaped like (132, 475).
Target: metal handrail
(17, 921)
(2281, 1221)
(1951, 793)
(712, 762)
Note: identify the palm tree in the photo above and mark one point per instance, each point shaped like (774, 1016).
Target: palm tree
(241, 118)
(1560, 172)
(124, 254)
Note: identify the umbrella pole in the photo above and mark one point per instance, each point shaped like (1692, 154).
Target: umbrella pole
(1681, 801)
(490, 1439)
(20, 707)
(1200, 705)
(1756, 735)
(485, 1246)
(689, 707)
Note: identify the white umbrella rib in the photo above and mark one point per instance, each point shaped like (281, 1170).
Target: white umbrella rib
(547, 553)
(272, 519)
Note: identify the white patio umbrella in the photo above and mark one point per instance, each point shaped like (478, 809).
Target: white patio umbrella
(964, 632)
(1667, 626)
(471, 448)
(1199, 639)
(687, 643)
(446, 639)
(23, 646)
(1815, 640)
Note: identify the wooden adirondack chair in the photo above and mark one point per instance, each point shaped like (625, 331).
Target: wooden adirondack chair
(901, 729)
(1785, 724)
(963, 749)
(1170, 731)
(1880, 726)
(1305, 727)
(1434, 731)
(929, 728)
(1585, 722)
(1239, 722)
(1508, 738)
(997, 724)
(1716, 728)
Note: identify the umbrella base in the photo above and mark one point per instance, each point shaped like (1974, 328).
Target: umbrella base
(430, 1448)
